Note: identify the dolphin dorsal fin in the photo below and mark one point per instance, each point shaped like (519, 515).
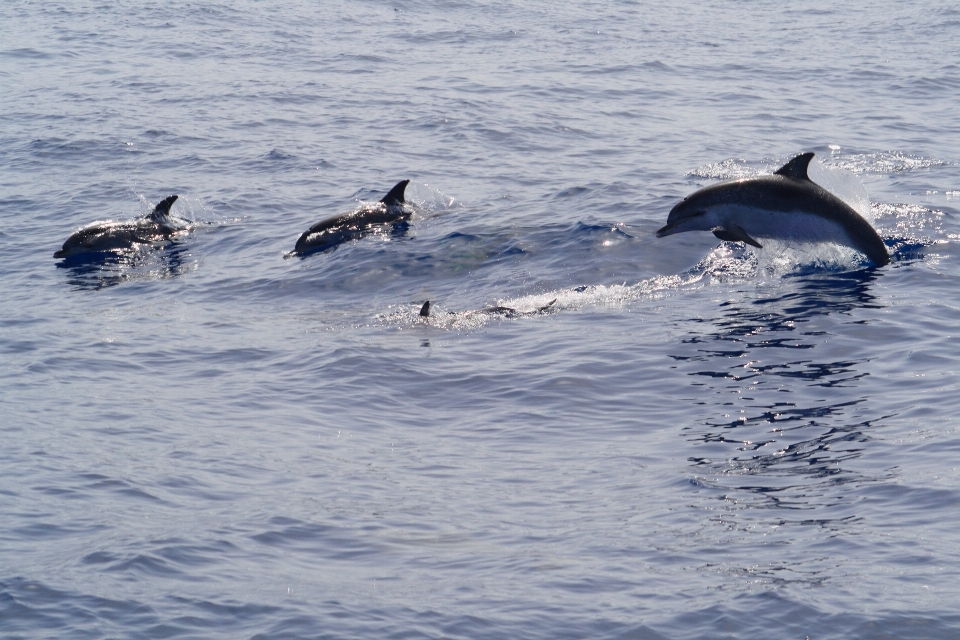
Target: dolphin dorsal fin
(395, 197)
(163, 208)
(796, 168)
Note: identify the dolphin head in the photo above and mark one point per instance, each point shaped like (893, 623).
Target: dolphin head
(696, 212)
(73, 245)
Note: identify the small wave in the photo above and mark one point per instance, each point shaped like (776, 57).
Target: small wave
(729, 169)
(906, 219)
(884, 162)
(539, 304)
(26, 53)
(278, 155)
(573, 192)
(63, 149)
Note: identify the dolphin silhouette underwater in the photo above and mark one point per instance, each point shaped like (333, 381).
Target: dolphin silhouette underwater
(351, 225)
(102, 237)
(784, 206)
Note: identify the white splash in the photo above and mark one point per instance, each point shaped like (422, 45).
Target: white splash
(842, 183)
(430, 200)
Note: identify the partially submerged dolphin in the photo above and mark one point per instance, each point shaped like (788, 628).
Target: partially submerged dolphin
(101, 237)
(784, 206)
(354, 224)
(506, 312)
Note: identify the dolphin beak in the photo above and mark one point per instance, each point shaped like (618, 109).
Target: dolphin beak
(668, 229)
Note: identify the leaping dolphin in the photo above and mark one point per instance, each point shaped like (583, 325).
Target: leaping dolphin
(117, 236)
(784, 206)
(354, 224)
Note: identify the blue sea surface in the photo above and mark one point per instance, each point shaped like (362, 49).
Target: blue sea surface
(697, 439)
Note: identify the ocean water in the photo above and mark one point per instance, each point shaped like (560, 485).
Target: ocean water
(696, 440)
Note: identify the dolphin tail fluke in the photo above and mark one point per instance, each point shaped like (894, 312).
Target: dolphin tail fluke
(163, 208)
(734, 233)
(796, 168)
(425, 310)
(395, 197)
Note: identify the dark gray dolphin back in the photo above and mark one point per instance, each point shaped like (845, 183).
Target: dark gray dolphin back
(163, 209)
(796, 168)
(395, 197)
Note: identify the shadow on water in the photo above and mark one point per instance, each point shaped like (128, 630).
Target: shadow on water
(785, 418)
(99, 270)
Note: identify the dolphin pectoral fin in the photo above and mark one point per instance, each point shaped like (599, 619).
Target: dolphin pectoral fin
(725, 235)
(734, 233)
(796, 168)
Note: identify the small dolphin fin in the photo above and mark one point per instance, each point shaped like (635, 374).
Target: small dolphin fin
(796, 168)
(395, 197)
(425, 310)
(734, 233)
(163, 208)
(547, 306)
